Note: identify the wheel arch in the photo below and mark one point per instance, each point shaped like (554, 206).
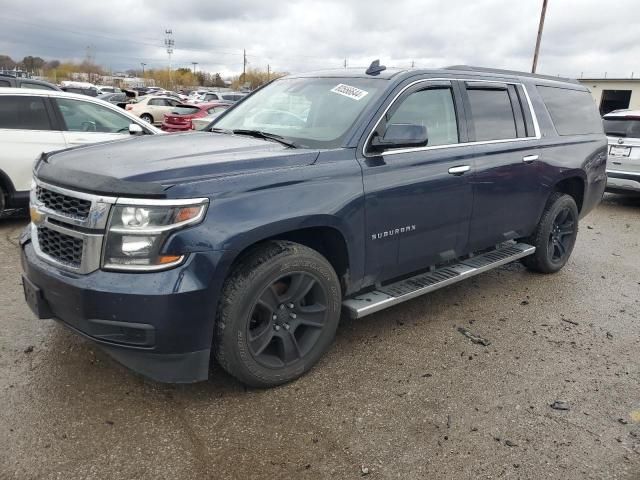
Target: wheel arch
(326, 238)
(573, 185)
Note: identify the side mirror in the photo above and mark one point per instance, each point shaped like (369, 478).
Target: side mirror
(402, 135)
(135, 129)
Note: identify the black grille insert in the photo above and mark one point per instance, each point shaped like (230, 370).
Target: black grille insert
(63, 248)
(63, 204)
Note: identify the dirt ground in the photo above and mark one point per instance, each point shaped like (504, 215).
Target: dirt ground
(402, 394)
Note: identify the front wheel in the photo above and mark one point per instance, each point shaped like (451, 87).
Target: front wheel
(555, 235)
(147, 118)
(278, 314)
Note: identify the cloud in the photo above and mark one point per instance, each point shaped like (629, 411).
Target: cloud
(303, 35)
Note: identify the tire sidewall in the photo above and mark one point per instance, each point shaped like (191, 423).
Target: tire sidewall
(563, 202)
(235, 332)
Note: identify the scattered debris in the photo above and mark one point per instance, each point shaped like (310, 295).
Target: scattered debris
(29, 349)
(560, 405)
(589, 227)
(474, 429)
(427, 375)
(474, 338)
(509, 443)
(448, 421)
(622, 421)
(524, 302)
(364, 470)
(569, 321)
(109, 422)
(609, 335)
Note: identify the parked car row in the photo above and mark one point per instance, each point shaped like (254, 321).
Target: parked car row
(33, 121)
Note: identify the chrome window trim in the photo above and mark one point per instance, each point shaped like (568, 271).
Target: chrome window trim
(536, 125)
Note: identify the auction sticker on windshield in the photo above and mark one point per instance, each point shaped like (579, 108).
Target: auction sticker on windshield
(348, 91)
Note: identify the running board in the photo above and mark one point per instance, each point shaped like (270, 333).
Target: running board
(403, 290)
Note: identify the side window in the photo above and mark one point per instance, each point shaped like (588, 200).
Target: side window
(5, 83)
(22, 112)
(492, 114)
(82, 116)
(433, 108)
(156, 102)
(37, 86)
(573, 111)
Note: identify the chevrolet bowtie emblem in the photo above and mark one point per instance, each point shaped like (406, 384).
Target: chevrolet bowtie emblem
(36, 217)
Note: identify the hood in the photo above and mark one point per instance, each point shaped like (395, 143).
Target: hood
(148, 165)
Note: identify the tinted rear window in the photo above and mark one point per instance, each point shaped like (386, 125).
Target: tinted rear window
(622, 127)
(185, 110)
(573, 111)
(492, 114)
(23, 113)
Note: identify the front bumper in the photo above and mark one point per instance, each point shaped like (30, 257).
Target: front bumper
(628, 181)
(158, 324)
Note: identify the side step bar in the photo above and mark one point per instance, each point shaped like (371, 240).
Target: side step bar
(403, 290)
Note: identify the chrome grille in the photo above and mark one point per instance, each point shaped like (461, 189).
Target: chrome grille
(60, 247)
(63, 204)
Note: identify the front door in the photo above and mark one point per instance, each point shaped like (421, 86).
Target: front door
(418, 200)
(88, 122)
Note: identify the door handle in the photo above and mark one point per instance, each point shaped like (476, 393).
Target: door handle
(530, 158)
(459, 170)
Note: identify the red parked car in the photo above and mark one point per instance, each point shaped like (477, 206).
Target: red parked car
(179, 120)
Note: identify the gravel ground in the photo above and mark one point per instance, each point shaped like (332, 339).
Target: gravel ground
(402, 394)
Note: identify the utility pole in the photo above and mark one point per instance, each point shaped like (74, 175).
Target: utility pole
(194, 67)
(143, 65)
(345, 63)
(169, 42)
(413, 63)
(269, 72)
(540, 27)
(244, 65)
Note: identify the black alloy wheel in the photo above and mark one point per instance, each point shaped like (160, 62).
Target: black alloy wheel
(287, 320)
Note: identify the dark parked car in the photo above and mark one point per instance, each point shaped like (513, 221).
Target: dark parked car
(88, 91)
(115, 98)
(20, 82)
(343, 190)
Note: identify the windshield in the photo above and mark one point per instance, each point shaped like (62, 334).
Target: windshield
(622, 127)
(312, 112)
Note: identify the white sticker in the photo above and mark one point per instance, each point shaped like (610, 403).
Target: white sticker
(348, 91)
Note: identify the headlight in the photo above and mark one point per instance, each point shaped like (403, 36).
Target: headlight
(137, 232)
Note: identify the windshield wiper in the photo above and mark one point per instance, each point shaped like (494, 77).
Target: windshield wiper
(266, 136)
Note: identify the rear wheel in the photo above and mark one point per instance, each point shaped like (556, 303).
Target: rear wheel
(555, 235)
(147, 118)
(278, 314)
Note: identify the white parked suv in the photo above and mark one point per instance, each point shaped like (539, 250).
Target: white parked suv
(37, 121)
(623, 164)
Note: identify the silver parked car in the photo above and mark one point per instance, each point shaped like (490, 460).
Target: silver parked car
(623, 164)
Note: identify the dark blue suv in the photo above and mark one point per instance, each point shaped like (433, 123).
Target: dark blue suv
(345, 190)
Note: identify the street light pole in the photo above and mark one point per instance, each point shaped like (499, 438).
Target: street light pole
(540, 27)
(194, 67)
(143, 65)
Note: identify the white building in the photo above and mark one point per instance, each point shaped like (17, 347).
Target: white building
(614, 93)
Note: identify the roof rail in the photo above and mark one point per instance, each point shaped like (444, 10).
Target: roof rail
(509, 72)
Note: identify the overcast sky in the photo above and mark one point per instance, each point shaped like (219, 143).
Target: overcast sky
(580, 36)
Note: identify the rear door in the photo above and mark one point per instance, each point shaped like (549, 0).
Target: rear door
(508, 185)
(87, 122)
(27, 129)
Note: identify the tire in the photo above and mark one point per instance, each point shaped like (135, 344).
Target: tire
(3, 201)
(555, 235)
(147, 118)
(277, 315)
